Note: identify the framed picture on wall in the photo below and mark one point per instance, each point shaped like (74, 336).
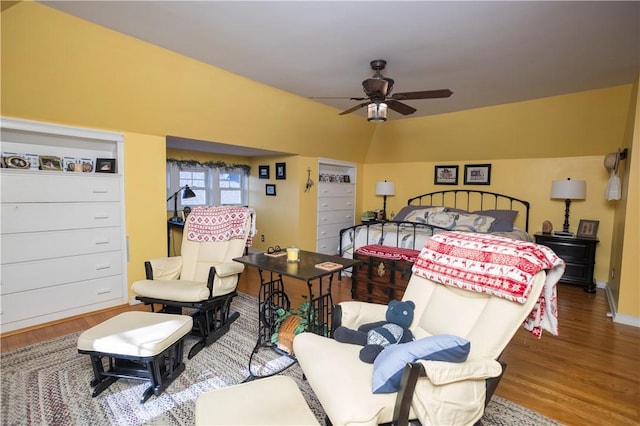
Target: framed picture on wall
(477, 174)
(446, 175)
(263, 172)
(270, 189)
(281, 170)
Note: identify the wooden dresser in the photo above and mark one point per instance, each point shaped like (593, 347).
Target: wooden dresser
(579, 255)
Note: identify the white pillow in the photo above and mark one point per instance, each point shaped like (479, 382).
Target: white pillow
(473, 222)
(421, 215)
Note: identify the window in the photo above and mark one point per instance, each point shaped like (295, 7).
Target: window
(213, 186)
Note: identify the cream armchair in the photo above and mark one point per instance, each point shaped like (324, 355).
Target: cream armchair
(204, 277)
(433, 392)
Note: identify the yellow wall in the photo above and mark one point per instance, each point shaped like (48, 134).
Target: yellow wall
(561, 126)
(145, 195)
(629, 271)
(61, 69)
(277, 216)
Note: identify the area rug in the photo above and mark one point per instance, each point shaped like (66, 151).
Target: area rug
(48, 383)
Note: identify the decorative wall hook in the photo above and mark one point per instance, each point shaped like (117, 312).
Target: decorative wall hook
(309, 183)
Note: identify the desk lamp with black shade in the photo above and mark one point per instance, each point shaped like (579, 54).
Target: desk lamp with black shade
(188, 193)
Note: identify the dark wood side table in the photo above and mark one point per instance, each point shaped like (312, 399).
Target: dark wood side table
(272, 293)
(271, 271)
(171, 224)
(579, 253)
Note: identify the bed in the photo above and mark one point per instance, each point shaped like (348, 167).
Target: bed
(386, 250)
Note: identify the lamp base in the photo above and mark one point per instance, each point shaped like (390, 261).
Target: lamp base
(175, 219)
(563, 234)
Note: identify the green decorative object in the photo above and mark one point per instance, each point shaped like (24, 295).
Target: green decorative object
(212, 164)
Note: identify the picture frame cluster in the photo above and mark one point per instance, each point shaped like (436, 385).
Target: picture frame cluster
(264, 172)
(52, 163)
(474, 174)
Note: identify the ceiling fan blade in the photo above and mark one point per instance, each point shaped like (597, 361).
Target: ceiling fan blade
(350, 110)
(338, 97)
(403, 109)
(334, 97)
(428, 94)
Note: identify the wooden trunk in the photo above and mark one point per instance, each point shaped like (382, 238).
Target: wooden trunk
(379, 280)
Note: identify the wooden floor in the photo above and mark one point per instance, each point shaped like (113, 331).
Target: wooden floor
(589, 375)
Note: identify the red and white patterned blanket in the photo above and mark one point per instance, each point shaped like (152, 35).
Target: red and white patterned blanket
(498, 266)
(220, 223)
(392, 253)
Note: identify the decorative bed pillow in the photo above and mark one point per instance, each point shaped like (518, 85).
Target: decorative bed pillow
(472, 222)
(459, 220)
(503, 219)
(443, 219)
(418, 215)
(402, 214)
(390, 363)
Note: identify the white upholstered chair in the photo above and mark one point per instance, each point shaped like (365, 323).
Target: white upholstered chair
(204, 277)
(433, 392)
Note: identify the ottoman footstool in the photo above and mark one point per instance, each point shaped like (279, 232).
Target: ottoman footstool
(137, 345)
(275, 400)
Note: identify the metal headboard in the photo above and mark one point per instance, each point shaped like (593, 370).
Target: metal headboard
(466, 198)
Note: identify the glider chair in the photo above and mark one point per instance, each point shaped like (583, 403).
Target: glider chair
(203, 278)
(422, 382)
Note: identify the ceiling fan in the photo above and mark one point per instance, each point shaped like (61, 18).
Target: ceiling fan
(378, 95)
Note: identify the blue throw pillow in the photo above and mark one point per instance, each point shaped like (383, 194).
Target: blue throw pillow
(504, 219)
(390, 363)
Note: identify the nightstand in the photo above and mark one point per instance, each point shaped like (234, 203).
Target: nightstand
(579, 253)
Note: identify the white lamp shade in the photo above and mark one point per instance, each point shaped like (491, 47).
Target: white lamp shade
(569, 189)
(385, 188)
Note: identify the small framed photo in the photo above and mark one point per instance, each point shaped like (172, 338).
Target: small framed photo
(50, 163)
(71, 164)
(477, 174)
(87, 165)
(281, 171)
(105, 165)
(346, 179)
(15, 161)
(446, 175)
(588, 228)
(270, 189)
(263, 172)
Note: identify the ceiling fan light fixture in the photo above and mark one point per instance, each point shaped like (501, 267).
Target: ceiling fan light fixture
(377, 111)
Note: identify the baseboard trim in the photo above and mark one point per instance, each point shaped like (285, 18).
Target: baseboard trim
(617, 318)
(627, 320)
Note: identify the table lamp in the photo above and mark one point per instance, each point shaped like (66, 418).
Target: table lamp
(385, 188)
(568, 190)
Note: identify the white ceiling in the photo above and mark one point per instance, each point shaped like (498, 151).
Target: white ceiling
(487, 53)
